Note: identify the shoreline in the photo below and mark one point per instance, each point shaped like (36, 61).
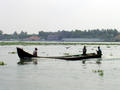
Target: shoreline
(56, 43)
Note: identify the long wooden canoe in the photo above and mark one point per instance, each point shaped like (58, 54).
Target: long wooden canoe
(23, 54)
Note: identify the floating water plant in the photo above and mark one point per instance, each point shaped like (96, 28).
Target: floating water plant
(100, 72)
(108, 46)
(12, 52)
(2, 63)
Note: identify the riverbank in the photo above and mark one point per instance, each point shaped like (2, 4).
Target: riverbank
(58, 43)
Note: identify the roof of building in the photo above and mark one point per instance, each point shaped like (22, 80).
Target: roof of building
(33, 38)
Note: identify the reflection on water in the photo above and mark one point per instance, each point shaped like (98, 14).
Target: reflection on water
(24, 61)
(55, 74)
(98, 61)
(99, 70)
(83, 61)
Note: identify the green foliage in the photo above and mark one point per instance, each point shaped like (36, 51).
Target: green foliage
(106, 34)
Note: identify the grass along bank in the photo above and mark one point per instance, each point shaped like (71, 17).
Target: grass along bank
(59, 43)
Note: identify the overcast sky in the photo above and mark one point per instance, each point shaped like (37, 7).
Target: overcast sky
(53, 15)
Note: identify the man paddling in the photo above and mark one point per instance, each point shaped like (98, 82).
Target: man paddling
(84, 50)
(35, 52)
(99, 52)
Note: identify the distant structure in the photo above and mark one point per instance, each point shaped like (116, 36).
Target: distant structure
(117, 38)
(33, 38)
(53, 38)
(82, 40)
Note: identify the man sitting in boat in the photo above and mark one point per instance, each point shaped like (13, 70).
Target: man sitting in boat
(35, 52)
(84, 50)
(99, 52)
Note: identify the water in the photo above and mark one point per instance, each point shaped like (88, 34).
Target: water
(53, 74)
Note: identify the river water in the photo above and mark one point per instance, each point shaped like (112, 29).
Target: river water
(55, 74)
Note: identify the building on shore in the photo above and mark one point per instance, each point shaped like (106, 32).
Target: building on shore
(33, 38)
(82, 40)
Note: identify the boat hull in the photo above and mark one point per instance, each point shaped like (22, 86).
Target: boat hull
(78, 57)
(23, 54)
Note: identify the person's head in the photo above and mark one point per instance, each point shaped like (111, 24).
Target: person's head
(36, 49)
(98, 47)
(84, 46)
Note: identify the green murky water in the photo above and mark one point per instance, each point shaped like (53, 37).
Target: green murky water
(55, 74)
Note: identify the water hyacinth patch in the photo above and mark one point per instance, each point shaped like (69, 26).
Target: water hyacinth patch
(2, 63)
(100, 72)
(12, 52)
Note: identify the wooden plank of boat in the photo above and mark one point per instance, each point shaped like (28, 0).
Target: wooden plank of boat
(23, 54)
(77, 57)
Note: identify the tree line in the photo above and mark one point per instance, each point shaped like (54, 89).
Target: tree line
(106, 34)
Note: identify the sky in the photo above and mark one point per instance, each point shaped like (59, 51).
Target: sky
(33, 16)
